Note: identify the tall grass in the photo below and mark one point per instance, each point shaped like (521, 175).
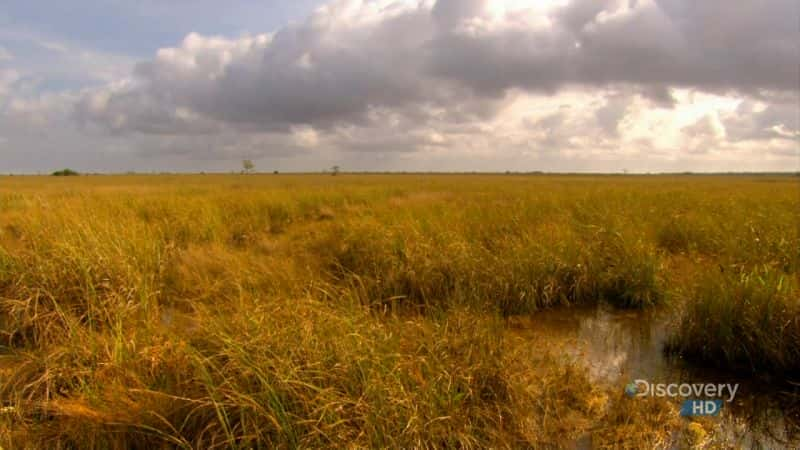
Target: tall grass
(292, 374)
(743, 320)
(515, 275)
(308, 312)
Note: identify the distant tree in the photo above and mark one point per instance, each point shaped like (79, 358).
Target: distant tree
(65, 173)
(248, 166)
(335, 170)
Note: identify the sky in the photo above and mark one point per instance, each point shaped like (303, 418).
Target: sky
(400, 85)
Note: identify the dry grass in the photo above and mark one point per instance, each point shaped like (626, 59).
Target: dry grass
(746, 321)
(361, 311)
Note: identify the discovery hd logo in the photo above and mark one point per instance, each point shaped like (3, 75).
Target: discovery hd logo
(713, 395)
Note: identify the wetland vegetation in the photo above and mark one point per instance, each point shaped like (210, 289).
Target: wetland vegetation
(308, 311)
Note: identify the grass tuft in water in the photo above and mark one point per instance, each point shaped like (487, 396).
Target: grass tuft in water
(743, 320)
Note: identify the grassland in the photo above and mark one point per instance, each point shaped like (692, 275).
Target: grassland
(262, 311)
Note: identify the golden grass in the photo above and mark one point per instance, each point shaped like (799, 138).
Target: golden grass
(360, 311)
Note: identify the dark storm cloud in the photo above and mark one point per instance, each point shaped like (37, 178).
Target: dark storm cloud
(745, 45)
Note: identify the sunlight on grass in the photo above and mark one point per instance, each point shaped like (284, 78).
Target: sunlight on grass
(310, 311)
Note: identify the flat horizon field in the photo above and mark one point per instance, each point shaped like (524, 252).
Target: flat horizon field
(397, 310)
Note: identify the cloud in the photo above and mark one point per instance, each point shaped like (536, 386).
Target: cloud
(351, 57)
(703, 135)
(7, 78)
(5, 55)
(53, 61)
(482, 79)
(759, 122)
(450, 13)
(610, 115)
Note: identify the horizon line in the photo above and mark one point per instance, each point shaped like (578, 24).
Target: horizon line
(406, 172)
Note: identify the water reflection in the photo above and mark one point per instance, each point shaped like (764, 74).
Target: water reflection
(620, 346)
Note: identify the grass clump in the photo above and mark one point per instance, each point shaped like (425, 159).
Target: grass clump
(683, 233)
(519, 275)
(634, 423)
(394, 266)
(744, 321)
(626, 271)
(295, 374)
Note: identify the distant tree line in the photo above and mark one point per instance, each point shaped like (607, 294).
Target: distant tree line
(65, 173)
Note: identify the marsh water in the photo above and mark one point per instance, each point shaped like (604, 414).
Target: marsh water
(621, 346)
